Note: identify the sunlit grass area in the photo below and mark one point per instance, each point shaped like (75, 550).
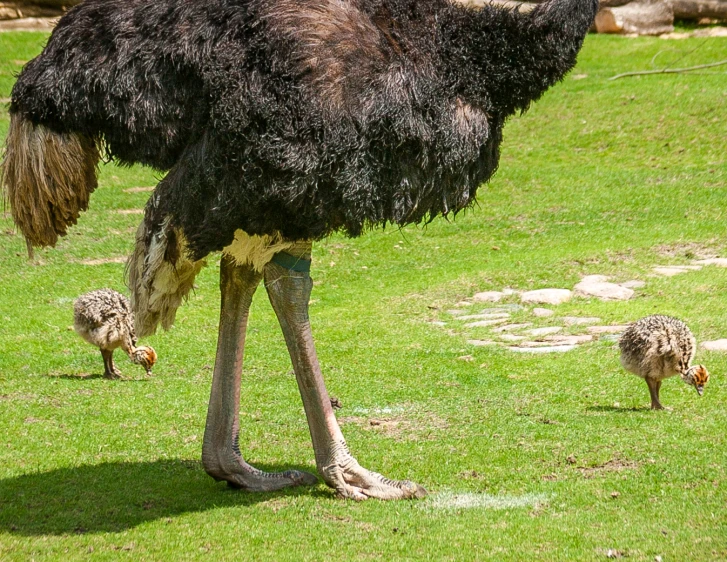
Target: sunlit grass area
(526, 456)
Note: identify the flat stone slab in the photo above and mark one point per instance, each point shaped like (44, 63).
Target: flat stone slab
(456, 312)
(542, 312)
(671, 270)
(547, 296)
(549, 349)
(569, 340)
(484, 316)
(591, 287)
(488, 296)
(580, 321)
(511, 337)
(545, 331)
(483, 323)
(721, 262)
(437, 323)
(481, 343)
(715, 345)
(606, 329)
(512, 327)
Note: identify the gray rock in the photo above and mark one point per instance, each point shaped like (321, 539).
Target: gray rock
(721, 262)
(568, 340)
(549, 349)
(542, 312)
(483, 323)
(596, 286)
(545, 331)
(512, 327)
(547, 296)
(671, 270)
(511, 337)
(488, 296)
(580, 321)
(484, 316)
(606, 329)
(716, 345)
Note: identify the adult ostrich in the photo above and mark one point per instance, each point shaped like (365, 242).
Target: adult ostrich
(279, 122)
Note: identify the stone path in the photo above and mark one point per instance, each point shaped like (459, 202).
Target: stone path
(522, 336)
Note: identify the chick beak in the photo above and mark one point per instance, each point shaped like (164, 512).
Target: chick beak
(700, 390)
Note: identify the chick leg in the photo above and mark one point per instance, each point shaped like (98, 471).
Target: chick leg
(110, 370)
(289, 293)
(221, 455)
(654, 391)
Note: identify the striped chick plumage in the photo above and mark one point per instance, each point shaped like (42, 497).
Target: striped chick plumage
(104, 319)
(658, 347)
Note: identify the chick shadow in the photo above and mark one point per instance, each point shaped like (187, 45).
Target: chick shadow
(113, 497)
(619, 409)
(94, 376)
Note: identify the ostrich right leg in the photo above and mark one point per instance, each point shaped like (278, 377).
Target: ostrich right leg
(110, 370)
(654, 387)
(221, 455)
(289, 293)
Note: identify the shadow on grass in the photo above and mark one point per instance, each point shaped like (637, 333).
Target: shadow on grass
(619, 409)
(93, 376)
(112, 497)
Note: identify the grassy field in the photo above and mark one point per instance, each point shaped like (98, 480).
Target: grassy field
(545, 457)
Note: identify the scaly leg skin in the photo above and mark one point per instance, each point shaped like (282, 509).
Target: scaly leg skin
(289, 293)
(221, 455)
(110, 370)
(654, 391)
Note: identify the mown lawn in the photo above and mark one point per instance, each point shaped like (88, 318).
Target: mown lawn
(545, 457)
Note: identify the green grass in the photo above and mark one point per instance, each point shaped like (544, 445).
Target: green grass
(599, 177)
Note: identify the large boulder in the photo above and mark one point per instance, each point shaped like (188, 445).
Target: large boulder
(643, 17)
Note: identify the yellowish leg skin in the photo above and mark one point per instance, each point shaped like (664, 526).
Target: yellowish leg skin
(221, 455)
(289, 292)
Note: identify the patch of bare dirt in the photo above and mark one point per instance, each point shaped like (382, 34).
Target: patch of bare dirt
(689, 250)
(130, 211)
(614, 465)
(400, 427)
(103, 261)
(139, 190)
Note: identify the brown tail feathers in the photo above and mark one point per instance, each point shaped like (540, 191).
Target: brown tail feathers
(47, 177)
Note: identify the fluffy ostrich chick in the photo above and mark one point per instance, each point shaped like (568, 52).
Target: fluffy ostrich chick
(104, 318)
(658, 347)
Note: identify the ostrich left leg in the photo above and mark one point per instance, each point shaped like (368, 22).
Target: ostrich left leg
(221, 454)
(289, 293)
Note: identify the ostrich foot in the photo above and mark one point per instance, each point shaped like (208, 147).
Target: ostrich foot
(351, 480)
(237, 473)
(114, 374)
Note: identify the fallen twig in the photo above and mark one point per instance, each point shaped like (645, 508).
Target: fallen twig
(669, 70)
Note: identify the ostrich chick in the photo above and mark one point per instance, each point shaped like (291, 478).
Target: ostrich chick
(657, 347)
(104, 318)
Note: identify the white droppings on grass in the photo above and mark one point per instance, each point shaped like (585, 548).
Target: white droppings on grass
(378, 411)
(472, 500)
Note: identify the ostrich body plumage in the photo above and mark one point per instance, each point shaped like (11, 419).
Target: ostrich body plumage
(299, 117)
(278, 122)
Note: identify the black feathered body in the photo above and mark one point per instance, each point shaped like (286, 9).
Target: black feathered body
(299, 117)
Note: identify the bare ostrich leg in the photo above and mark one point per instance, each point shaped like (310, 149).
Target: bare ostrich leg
(654, 387)
(289, 293)
(110, 371)
(220, 451)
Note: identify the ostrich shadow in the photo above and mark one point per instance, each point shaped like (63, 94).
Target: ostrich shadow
(113, 497)
(94, 376)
